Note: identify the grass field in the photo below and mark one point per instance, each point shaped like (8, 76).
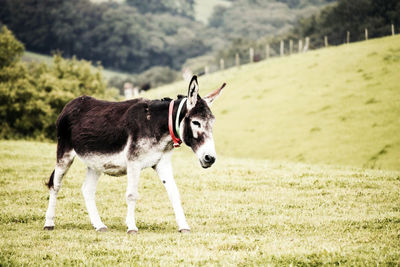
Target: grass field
(338, 105)
(242, 212)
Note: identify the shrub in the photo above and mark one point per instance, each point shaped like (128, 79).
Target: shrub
(32, 95)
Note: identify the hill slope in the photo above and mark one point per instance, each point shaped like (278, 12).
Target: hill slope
(338, 105)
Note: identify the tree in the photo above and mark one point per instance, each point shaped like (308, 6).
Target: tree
(11, 50)
(174, 7)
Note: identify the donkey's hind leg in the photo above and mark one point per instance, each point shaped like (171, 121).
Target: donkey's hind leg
(54, 184)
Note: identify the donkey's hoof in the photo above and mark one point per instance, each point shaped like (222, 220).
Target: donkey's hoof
(184, 231)
(102, 229)
(48, 228)
(132, 232)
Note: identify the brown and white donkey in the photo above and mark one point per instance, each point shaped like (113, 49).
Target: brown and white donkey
(120, 138)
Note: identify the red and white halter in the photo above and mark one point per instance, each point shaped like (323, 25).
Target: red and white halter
(177, 140)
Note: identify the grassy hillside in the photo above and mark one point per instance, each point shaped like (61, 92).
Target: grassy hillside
(338, 105)
(36, 57)
(242, 212)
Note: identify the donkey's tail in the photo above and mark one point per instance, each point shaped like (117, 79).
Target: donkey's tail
(50, 183)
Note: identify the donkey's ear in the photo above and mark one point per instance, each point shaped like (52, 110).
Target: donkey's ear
(213, 95)
(192, 93)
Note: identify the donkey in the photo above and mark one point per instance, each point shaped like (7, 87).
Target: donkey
(119, 138)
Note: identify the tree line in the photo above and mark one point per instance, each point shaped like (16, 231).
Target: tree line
(130, 37)
(255, 19)
(353, 16)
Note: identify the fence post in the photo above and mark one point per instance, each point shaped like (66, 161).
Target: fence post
(348, 37)
(290, 46)
(326, 41)
(237, 60)
(393, 30)
(366, 34)
(282, 48)
(300, 46)
(307, 45)
(221, 64)
(251, 54)
(267, 51)
(206, 70)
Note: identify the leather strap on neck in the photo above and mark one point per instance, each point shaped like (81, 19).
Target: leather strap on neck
(176, 140)
(178, 113)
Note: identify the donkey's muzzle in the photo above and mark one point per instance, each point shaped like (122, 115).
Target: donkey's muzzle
(207, 161)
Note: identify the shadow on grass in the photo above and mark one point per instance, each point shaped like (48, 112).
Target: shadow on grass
(148, 227)
(74, 226)
(117, 226)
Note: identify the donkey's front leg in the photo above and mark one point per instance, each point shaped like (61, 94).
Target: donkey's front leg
(132, 195)
(164, 170)
(89, 194)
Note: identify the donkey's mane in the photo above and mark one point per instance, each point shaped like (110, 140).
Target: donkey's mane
(170, 99)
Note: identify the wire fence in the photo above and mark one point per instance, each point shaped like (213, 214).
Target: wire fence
(288, 47)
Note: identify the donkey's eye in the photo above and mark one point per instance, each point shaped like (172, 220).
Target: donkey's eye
(196, 123)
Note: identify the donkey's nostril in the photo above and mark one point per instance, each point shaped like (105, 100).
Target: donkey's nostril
(209, 159)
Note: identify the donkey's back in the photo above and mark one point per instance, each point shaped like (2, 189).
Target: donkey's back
(88, 125)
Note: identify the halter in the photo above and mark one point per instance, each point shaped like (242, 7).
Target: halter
(177, 141)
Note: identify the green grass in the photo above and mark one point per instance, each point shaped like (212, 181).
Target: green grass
(242, 212)
(338, 105)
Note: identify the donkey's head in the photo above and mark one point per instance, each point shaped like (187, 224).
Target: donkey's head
(196, 129)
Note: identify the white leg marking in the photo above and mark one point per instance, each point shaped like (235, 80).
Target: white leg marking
(51, 210)
(132, 195)
(164, 170)
(89, 193)
(61, 168)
